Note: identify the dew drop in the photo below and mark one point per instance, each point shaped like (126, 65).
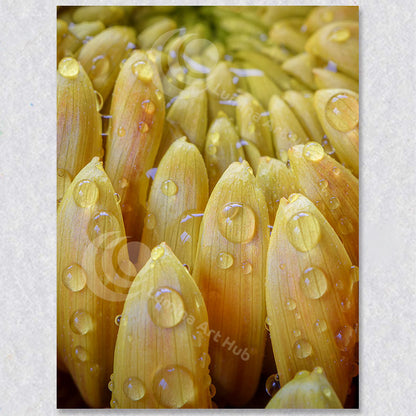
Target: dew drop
(302, 374)
(100, 66)
(117, 197)
(159, 95)
(157, 253)
(313, 282)
(290, 304)
(329, 150)
(81, 354)
(237, 222)
(293, 198)
(336, 170)
(121, 131)
(304, 231)
(134, 388)
(197, 338)
(85, 193)
(224, 260)
(74, 277)
(117, 320)
(296, 333)
(212, 391)
(320, 325)
(318, 370)
(150, 221)
(99, 101)
(297, 315)
(345, 226)
(272, 384)
(313, 151)
(267, 323)
(149, 107)
(81, 322)
(334, 203)
(114, 404)
(354, 274)
(342, 112)
(323, 184)
(340, 35)
(165, 307)
(102, 227)
(173, 387)
(246, 267)
(326, 392)
(143, 127)
(302, 348)
(110, 385)
(204, 360)
(169, 188)
(143, 71)
(345, 304)
(69, 68)
(124, 183)
(345, 338)
(282, 266)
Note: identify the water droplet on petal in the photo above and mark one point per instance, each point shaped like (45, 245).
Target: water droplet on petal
(267, 323)
(345, 338)
(326, 392)
(81, 354)
(114, 404)
(211, 149)
(313, 282)
(334, 203)
(340, 35)
(157, 252)
(149, 107)
(169, 188)
(100, 66)
(110, 385)
(345, 226)
(102, 227)
(246, 267)
(342, 112)
(272, 385)
(124, 183)
(85, 193)
(74, 277)
(302, 348)
(99, 101)
(354, 273)
(143, 71)
(204, 360)
(224, 260)
(237, 222)
(173, 387)
(117, 197)
(117, 320)
(121, 131)
(212, 391)
(304, 231)
(290, 304)
(134, 388)
(166, 307)
(323, 184)
(313, 151)
(69, 68)
(81, 322)
(321, 325)
(150, 221)
(143, 127)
